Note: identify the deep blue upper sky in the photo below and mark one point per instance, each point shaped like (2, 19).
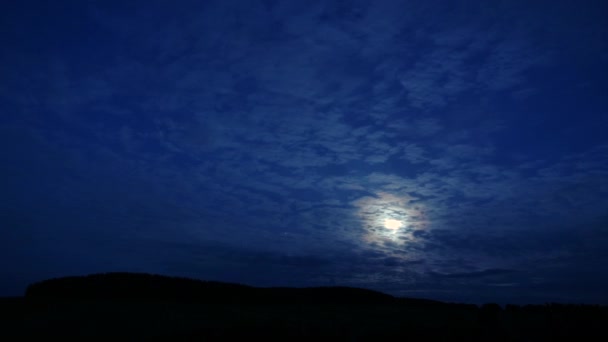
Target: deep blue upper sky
(455, 150)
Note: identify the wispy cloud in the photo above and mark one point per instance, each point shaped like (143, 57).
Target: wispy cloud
(303, 134)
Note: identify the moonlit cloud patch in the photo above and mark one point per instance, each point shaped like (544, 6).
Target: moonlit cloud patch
(389, 218)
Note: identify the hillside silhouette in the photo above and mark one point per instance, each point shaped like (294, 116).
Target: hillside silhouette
(154, 307)
(141, 286)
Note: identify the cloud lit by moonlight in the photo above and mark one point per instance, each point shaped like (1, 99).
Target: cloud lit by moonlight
(388, 218)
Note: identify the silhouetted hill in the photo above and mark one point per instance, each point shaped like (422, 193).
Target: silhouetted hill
(138, 286)
(146, 307)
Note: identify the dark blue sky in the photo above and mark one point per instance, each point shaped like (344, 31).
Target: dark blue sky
(439, 149)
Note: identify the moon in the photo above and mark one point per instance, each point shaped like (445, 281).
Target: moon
(392, 224)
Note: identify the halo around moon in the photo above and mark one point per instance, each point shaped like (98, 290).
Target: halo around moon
(390, 219)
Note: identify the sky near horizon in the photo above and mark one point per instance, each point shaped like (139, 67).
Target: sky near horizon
(446, 150)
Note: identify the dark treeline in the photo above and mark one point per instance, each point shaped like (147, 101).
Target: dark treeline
(145, 306)
(143, 286)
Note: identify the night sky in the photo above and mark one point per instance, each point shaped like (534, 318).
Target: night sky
(452, 150)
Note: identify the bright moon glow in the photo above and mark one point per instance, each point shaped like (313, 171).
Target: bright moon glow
(392, 224)
(390, 219)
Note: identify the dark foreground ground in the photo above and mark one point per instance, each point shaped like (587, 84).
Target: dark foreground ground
(277, 316)
(138, 320)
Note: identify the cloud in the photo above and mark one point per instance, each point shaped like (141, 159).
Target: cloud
(300, 137)
(478, 274)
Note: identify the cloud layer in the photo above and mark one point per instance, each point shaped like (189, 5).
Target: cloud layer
(272, 141)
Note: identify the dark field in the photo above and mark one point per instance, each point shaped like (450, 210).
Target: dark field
(292, 314)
